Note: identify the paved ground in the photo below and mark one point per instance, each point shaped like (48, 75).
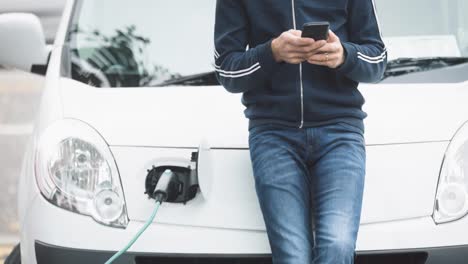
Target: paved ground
(19, 101)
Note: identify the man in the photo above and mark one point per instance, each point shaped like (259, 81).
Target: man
(305, 116)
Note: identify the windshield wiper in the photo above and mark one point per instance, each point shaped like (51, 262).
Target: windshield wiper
(403, 66)
(200, 79)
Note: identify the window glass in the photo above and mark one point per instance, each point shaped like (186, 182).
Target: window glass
(120, 43)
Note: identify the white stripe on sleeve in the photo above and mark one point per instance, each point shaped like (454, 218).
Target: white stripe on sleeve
(242, 74)
(218, 69)
(373, 58)
(373, 61)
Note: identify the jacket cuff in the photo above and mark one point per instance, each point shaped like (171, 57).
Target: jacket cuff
(350, 59)
(265, 57)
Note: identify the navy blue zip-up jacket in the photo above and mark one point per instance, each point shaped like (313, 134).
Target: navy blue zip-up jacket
(298, 95)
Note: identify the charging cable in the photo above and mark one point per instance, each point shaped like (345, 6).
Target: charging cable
(161, 192)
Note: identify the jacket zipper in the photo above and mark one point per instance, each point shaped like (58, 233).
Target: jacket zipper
(300, 67)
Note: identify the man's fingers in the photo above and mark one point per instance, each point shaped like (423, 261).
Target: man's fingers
(291, 56)
(295, 60)
(310, 48)
(295, 32)
(300, 42)
(329, 47)
(323, 57)
(329, 55)
(313, 47)
(321, 63)
(320, 44)
(292, 48)
(332, 37)
(294, 38)
(328, 63)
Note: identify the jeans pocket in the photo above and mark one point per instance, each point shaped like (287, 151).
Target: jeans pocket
(354, 130)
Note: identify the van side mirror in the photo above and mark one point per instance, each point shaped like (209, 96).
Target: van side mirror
(22, 42)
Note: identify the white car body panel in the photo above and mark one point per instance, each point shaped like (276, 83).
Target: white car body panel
(389, 192)
(211, 113)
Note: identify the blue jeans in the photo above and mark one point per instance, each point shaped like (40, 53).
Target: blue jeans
(309, 184)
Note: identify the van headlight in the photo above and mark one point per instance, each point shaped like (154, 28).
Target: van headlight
(452, 193)
(76, 171)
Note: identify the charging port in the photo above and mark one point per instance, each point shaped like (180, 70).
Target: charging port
(184, 186)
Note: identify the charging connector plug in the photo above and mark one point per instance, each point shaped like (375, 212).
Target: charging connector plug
(167, 188)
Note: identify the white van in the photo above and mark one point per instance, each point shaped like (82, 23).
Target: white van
(130, 91)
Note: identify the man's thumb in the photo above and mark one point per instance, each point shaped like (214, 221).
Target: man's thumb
(332, 37)
(295, 32)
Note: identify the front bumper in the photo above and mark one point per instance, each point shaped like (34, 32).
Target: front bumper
(45, 223)
(53, 235)
(49, 254)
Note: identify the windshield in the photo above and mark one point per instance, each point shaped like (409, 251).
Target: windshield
(120, 43)
(142, 43)
(424, 28)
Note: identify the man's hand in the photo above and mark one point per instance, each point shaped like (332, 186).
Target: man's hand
(331, 54)
(291, 48)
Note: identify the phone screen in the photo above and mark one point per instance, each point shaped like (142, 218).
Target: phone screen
(316, 30)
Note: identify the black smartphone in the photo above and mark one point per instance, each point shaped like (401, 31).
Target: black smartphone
(316, 30)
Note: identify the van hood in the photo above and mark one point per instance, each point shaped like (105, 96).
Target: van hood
(183, 116)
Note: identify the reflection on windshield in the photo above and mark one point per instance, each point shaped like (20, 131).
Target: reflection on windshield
(116, 60)
(117, 43)
(404, 66)
(143, 43)
(424, 28)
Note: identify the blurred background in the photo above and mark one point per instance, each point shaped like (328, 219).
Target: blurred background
(49, 11)
(19, 99)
